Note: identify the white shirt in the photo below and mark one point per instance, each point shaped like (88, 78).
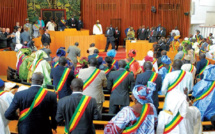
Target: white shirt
(18, 37)
(51, 26)
(7, 97)
(171, 77)
(4, 129)
(96, 30)
(187, 67)
(177, 32)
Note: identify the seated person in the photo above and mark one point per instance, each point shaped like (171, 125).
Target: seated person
(131, 116)
(131, 34)
(91, 49)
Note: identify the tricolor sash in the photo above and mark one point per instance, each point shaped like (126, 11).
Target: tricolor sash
(203, 51)
(107, 70)
(143, 115)
(91, 78)
(183, 57)
(98, 27)
(63, 21)
(153, 77)
(22, 57)
(160, 66)
(119, 80)
(207, 92)
(37, 26)
(131, 62)
(175, 121)
(2, 92)
(177, 81)
(191, 69)
(76, 76)
(169, 69)
(37, 100)
(97, 56)
(56, 64)
(197, 38)
(79, 111)
(153, 69)
(173, 45)
(201, 72)
(62, 81)
(36, 64)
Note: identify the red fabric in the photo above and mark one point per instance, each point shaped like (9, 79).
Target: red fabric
(148, 58)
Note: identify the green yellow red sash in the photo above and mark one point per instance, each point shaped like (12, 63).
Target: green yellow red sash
(153, 69)
(37, 100)
(173, 45)
(76, 76)
(23, 57)
(183, 57)
(169, 69)
(37, 26)
(119, 80)
(197, 38)
(2, 92)
(56, 64)
(201, 72)
(191, 69)
(91, 78)
(177, 81)
(97, 56)
(36, 64)
(207, 92)
(160, 66)
(63, 21)
(203, 51)
(107, 70)
(175, 121)
(143, 115)
(153, 77)
(79, 111)
(98, 27)
(131, 62)
(62, 81)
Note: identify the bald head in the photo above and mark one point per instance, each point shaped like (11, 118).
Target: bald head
(202, 56)
(96, 51)
(93, 62)
(177, 64)
(77, 85)
(62, 61)
(163, 52)
(37, 78)
(122, 64)
(147, 65)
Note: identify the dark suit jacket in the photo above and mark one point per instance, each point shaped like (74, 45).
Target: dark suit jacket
(110, 35)
(162, 33)
(56, 74)
(142, 34)
(37, 121)
(117, 34)
(100, 59)
(153, 37)
(80, 25)
(62, 25)
(46, 39)
(120, 96)
(143, 78)
(3, 41)
(74, 22)
(200, 65)
(65, 111)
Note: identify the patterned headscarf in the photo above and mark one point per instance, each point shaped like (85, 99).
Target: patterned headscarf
(132, 53)
(111, 53)
(144, 94)
(166, 60)
(61, 52)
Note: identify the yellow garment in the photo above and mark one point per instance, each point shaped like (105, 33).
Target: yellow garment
(174, 46)
(130, 34)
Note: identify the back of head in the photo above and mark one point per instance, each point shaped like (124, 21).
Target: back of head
(96, 51)
(180, 48)
(77, 85)
(93, 62)
(76, 43)
(62, 61)
(92, 45)
(202, 56)
(148, 65)
(45, 44)
(163, 52)
(109, 61)
(177, 64)
(122, 64)
(37, 78)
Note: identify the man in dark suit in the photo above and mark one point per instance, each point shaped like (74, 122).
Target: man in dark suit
(161, 33)
(120, 95)
(80, 24)
(138, 32)
(143, 78)
(46, 38)
(158, 29)
(72, 22)
(152, 35)
(99, 59)
(68, 105)
(117, 37)
(201, 64)
(3, 40)
(110, 38)
(142, 33)
(62, 24)
(37, 122)
(56, 74)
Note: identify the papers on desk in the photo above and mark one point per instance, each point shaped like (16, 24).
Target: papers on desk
(133, 41)
(9, 86)
(21, 88)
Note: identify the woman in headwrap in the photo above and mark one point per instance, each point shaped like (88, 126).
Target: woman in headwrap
(141, 118)
(178, 117)
(165, 67)
(61, 52)
(83, 63)
(108, 66)
(150, 58)
(112, 54)
(175, 44)
(133, 65)
(40, 65)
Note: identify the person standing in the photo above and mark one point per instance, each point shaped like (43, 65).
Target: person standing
(36, 120)
(176, 31)
(110, 38)
(142, 33)
(201, 65)
(18, 38)
(62, 75)
(72, 22)
(149, 75)
(36, 30)
(51, 25)
(94, 82)
(29, 26)
(73, 53)
(96, 55)
(62, 24)
(152, 35)
(120, 84)
(41, 22)
(5, 95)
(165, 67)
(46, 38)
(17, 26)
(25, 37)
(68, 111)
(97, 28)
(117, 37)
(4, 128)
(80, 24)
